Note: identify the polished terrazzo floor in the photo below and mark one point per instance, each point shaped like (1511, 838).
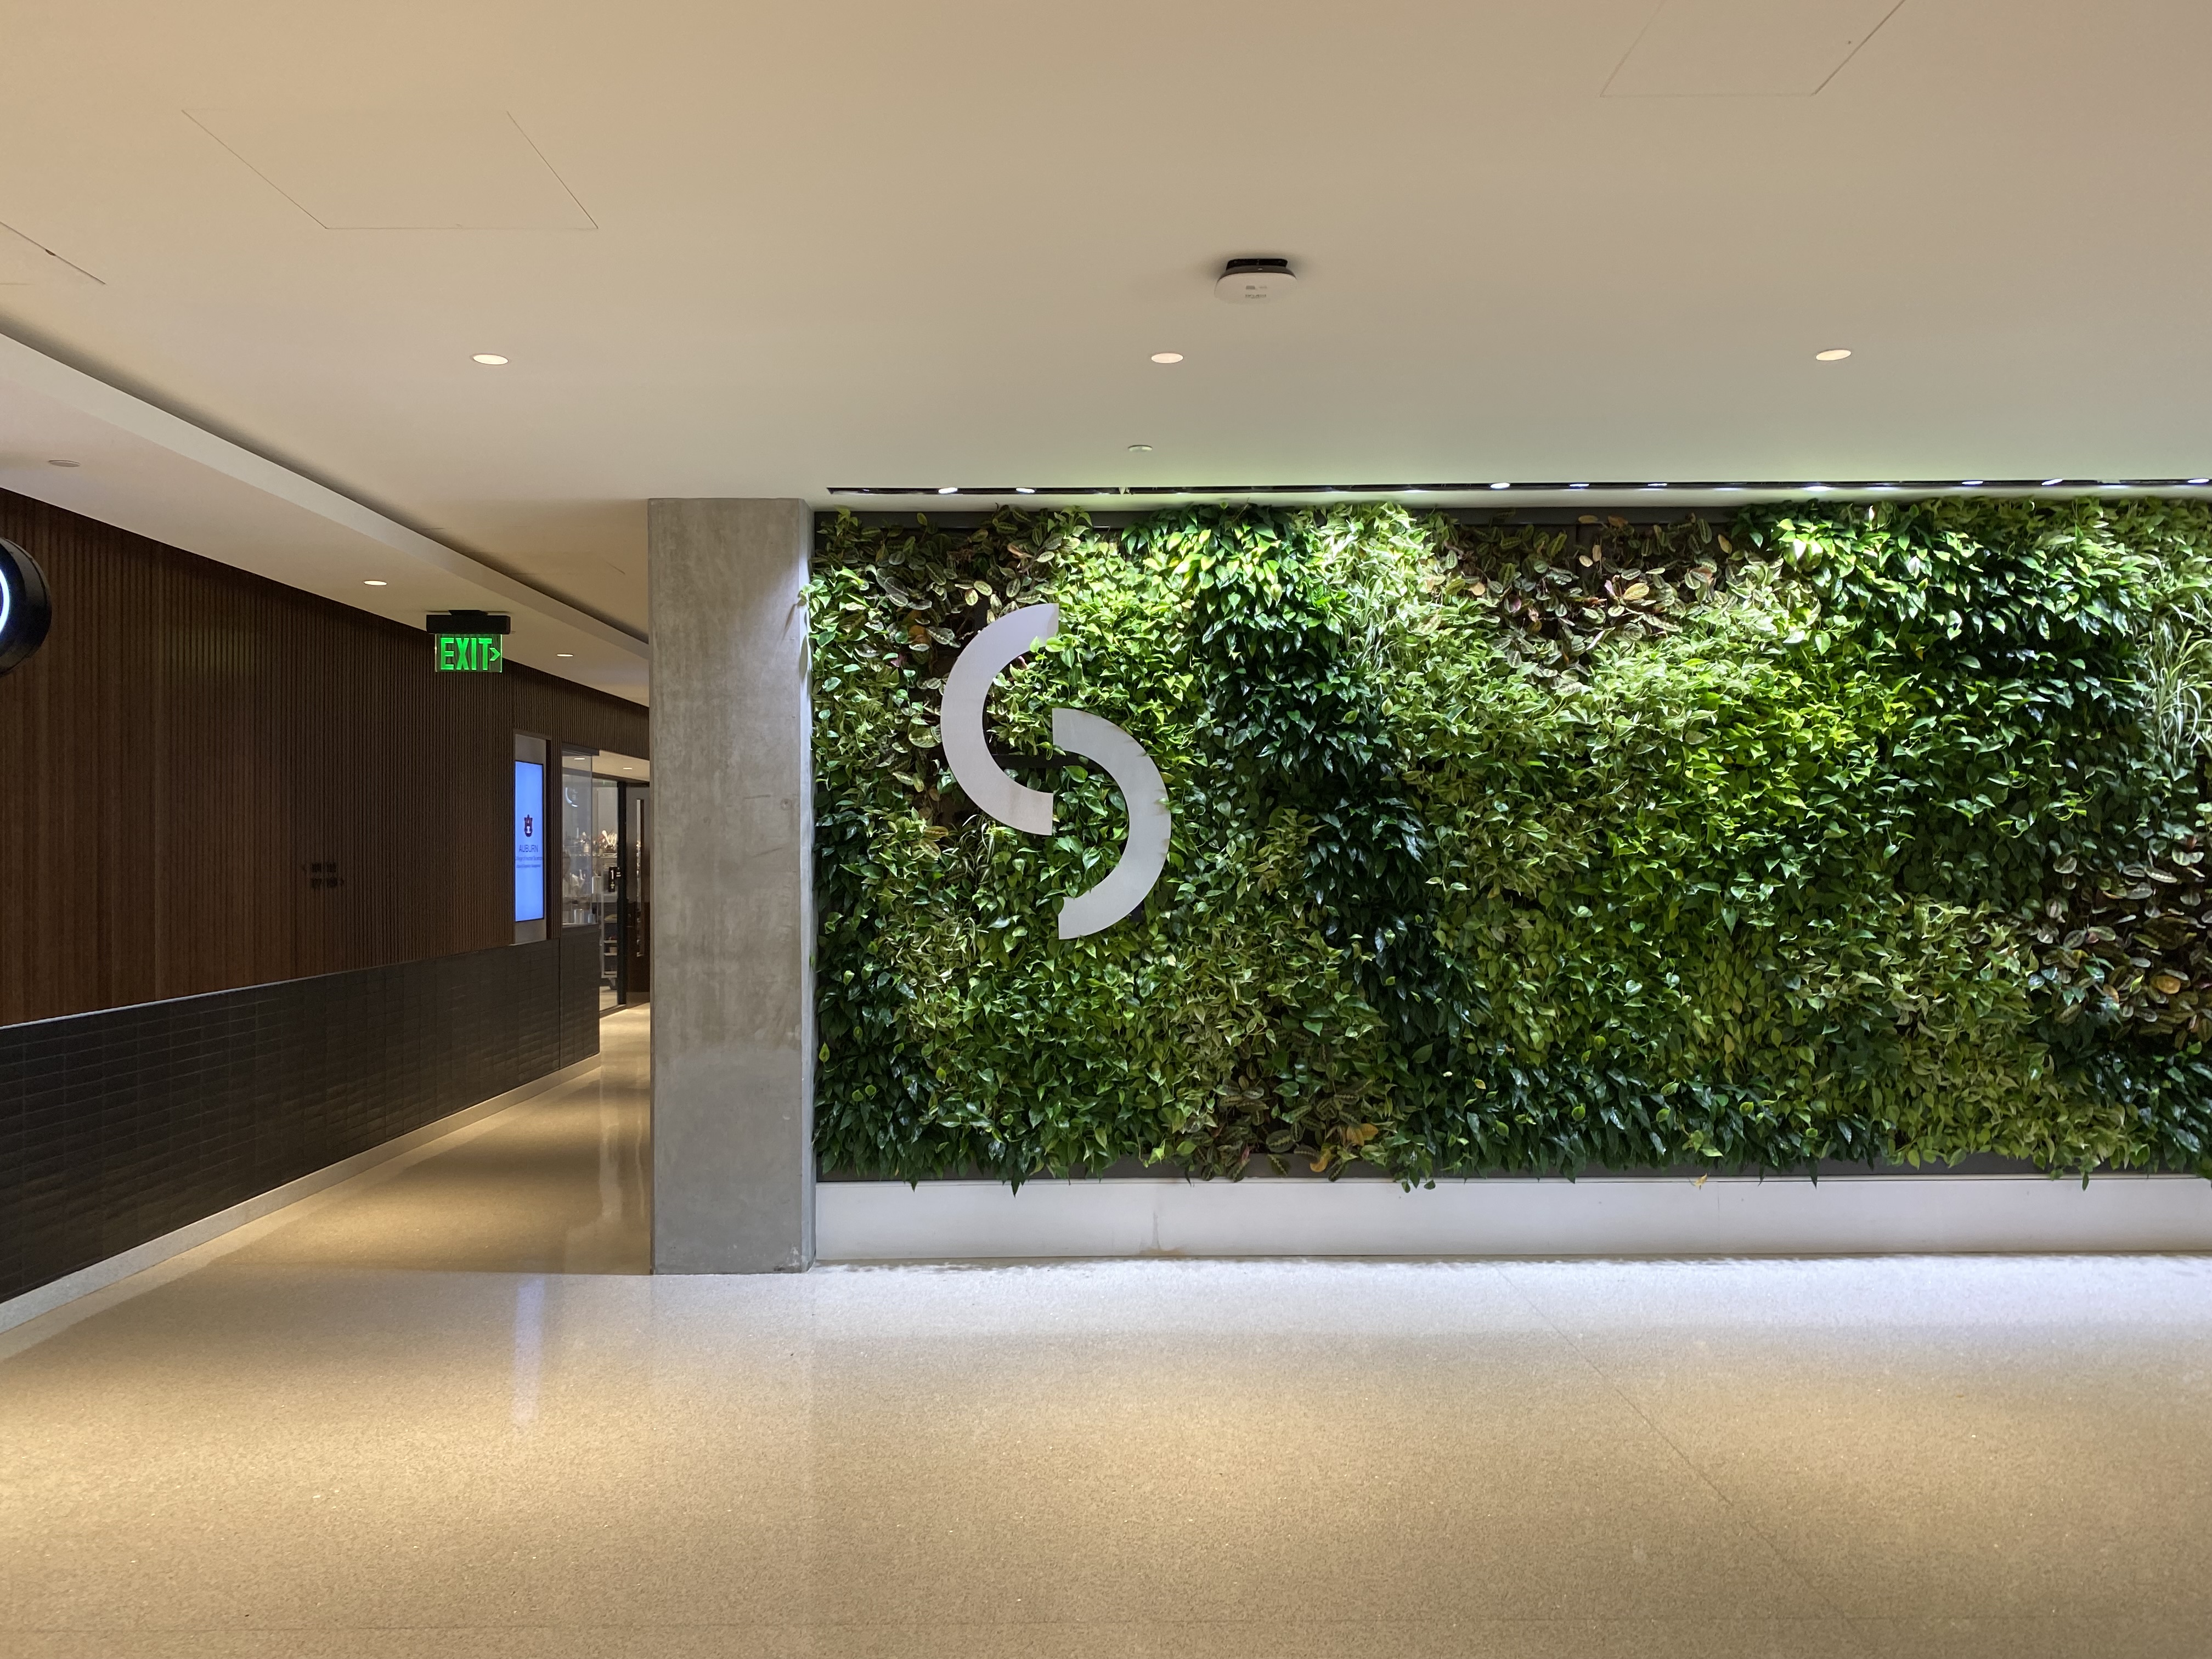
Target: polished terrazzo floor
(440, 1412)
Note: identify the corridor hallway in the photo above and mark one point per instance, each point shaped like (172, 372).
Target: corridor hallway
(441, 1411)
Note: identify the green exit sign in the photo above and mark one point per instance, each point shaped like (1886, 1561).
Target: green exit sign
(468, 653)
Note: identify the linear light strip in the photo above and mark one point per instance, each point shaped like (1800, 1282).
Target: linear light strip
(1763, 487)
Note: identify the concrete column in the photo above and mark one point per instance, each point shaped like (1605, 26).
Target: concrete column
(732, 889)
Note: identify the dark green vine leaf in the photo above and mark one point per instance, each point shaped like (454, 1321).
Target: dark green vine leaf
(1825, 834)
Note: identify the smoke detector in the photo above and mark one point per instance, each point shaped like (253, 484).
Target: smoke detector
(1248, 281)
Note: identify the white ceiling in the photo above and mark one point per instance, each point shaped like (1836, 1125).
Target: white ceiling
(764, 250)
(607, 763)
(81, 444)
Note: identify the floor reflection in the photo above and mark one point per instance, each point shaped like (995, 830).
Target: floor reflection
(556, 1185)
(442, 1413)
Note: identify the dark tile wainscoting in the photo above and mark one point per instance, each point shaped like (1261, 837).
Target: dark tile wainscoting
(120, 1126)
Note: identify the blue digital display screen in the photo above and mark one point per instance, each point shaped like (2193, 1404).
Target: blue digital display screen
(528, 842)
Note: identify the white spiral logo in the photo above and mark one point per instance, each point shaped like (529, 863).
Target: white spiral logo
(960, 725)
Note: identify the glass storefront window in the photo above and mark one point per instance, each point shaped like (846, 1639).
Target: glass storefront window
(577, 910)
(638, 884)
(606, 885)
(606, 833)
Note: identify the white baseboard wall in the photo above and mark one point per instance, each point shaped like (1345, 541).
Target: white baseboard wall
(1604, 1216)
(1610, 1216)
(100, 1274)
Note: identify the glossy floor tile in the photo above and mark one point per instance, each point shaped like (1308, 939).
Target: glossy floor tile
(441, 1411)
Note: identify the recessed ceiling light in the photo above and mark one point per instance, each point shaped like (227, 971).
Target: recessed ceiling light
(1140, 449)
(2047, 483)
(1656, 486)
(62, 463)
(372, 581)
(948, 489)
(1167, 356)
(1023, 489)
(1833, 354)
(1501, 486)
(1580, 486)
(565, 653)
(493, 358)
(1968, 483)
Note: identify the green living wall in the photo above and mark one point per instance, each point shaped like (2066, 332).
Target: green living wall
(1823, 833)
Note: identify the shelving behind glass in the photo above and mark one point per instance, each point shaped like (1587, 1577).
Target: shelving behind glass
(578, 908)
(606, 852)
(637, 892)
(606, 885)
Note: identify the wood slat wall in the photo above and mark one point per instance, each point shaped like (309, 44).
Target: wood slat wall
(192, 739)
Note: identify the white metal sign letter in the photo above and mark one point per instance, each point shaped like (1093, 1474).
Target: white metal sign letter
(960, 726)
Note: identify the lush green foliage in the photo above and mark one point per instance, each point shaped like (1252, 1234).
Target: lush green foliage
(1850, 833)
